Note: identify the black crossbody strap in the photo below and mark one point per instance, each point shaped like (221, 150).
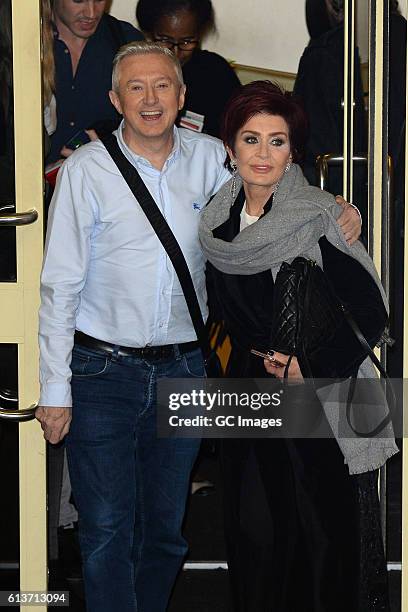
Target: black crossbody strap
(164, 234)
(388, 388)
(361, 338)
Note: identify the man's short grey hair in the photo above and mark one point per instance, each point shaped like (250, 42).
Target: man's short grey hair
(143, 48)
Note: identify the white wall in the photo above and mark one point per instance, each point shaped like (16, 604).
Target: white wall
(264, 33)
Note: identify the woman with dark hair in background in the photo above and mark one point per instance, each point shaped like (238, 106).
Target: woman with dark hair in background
(320, 86)
(181, 25)
(301, 515)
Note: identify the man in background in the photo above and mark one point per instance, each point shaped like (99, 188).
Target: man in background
(86, 41)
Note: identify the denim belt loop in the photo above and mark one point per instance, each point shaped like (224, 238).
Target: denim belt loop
(115, 352)
(177, 353)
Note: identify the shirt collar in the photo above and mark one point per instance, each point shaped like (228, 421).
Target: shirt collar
(139, 159)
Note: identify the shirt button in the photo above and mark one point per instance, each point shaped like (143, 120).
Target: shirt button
(73, 87)
(71, 123)
(66, 51)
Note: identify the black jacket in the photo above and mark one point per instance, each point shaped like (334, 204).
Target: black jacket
(320, 86)
(210, 82)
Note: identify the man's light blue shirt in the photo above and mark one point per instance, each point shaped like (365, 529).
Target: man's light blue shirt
(105, 272)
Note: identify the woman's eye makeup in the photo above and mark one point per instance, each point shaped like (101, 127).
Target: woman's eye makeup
(275, 141)
(251, 139)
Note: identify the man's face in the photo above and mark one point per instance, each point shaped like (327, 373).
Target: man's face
(149, 96)
(80, 17)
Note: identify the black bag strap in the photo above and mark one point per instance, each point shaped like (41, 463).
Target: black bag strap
(302, 356)
(367, 348)
(370, 353)
(164, 234)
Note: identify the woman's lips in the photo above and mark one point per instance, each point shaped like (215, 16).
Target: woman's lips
(88, 25)
(261, 169)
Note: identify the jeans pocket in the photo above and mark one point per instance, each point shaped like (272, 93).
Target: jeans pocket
(84, 364)
(194, 364)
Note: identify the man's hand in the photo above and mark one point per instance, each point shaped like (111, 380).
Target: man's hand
(349, 221)
(55, 422)
(66, 152)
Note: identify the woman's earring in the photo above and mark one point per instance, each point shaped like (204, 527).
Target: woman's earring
(234, 168)
(288, 165)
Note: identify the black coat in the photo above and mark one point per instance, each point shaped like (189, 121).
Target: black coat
(320, 86)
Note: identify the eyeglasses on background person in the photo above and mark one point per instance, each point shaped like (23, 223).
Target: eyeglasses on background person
(184, 44)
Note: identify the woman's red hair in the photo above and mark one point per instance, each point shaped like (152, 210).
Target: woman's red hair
(264, 97)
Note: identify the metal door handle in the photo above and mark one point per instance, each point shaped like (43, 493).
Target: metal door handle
(323, 161)
(13, 219)
(19, 415)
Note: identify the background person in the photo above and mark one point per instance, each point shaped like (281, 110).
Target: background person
(320, 86)
(296, 525)
(86, 40)
(181, 25)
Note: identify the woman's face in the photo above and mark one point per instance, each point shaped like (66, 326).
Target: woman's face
(262, 150)
(180, 28)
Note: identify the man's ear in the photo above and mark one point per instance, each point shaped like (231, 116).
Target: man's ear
(114, 98)
(182, 97)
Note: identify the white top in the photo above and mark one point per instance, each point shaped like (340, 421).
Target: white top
(246, 219)
(50, 116)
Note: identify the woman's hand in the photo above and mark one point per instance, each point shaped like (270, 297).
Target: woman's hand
(349, 220)
(276, 366)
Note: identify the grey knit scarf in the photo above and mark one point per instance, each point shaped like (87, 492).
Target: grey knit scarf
(300, 216)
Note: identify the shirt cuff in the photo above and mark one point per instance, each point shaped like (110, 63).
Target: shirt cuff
(359, 213)
(56, 394)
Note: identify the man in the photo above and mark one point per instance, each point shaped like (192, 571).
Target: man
(112, 302)
(86, 41)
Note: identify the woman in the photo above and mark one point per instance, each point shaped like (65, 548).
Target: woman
(181, 25)
(292, 510)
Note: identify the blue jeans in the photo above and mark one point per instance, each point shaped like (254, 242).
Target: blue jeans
(130, 487)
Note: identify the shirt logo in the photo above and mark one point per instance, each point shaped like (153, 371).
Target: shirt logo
(196, 206)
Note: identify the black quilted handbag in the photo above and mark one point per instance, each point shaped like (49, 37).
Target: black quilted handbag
(307, 314)
(306, 310)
